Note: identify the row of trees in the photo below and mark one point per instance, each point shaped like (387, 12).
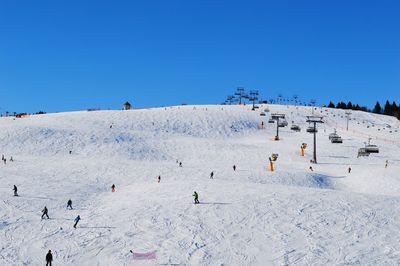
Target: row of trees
(348, 106)
(389, 109)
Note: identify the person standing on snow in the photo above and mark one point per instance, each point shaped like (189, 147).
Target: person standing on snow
(15, 190)
(159, 179)
(349, 170)
(113, 188)
(45, 212)
(69, 204)
(212, 175)
(234, 168)
(49, 258)
(196, 197)
(77, 219)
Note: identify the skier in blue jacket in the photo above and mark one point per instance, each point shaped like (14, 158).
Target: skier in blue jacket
(77, 219)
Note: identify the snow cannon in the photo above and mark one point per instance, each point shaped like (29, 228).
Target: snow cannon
(302, 148)
(272, 159)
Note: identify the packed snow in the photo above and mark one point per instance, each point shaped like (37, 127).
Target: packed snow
(251, 216)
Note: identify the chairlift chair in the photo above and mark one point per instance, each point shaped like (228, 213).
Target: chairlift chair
(312, 130)
(371, 148)
(283, 123)
(336, 139)
(295, 128)
(362, 152)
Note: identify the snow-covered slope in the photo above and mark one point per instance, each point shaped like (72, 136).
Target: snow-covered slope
(251, 216)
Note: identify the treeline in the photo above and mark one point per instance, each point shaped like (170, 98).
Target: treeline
(389, 109)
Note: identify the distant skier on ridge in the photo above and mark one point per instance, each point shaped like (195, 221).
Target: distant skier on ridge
(15, 190)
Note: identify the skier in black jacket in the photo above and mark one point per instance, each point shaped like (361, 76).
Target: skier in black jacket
(49, 258)
(44, 211)
(69, 204)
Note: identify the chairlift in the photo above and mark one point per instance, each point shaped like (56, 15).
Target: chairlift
(312, 130)
(336, 139)
(362, 152)
(283, 123)
(262, 114)
(333, 135)
(274, 157)
(271, 121)
(295, 128)
(370, 148)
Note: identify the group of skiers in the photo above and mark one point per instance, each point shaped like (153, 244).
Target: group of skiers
(45, 213)
(4, 159)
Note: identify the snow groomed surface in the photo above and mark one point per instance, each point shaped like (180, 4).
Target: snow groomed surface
(251, 216)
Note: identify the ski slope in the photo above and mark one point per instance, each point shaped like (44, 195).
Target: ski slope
(251, 216)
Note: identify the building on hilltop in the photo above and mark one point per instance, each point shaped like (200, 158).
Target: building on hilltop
(127, 106)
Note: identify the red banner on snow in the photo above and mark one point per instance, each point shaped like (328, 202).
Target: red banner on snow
(144, 256)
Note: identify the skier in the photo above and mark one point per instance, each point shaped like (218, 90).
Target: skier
(11, 159)
(234, 168)
(312, 170)
(70, 152)
(5, 161)
(113, 188)
(386, 163)
(69, 204)
(349, 170)
(49, 258)
(45, 212)
(212, 175)
(77, 219)
(159, 179)
(180, 164)
(196, 197)
(15, 190)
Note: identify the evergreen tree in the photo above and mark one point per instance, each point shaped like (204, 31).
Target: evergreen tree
(377, 109)
(331, 105)
(349, 105)
(388, 109)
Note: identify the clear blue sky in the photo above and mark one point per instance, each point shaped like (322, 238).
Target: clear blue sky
(74, 55)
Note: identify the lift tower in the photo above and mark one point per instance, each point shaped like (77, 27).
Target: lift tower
(314, 120)
(277, 117)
